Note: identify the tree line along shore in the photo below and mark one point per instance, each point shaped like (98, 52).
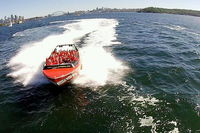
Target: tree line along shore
(170, 11)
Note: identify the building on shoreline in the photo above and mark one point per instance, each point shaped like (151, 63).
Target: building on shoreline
(13, 19)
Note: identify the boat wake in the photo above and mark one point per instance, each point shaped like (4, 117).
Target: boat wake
(175, 27)
(99, 65)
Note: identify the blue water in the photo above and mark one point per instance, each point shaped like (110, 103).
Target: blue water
(156, 56)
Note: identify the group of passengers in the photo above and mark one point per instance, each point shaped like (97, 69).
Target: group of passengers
(57, 58)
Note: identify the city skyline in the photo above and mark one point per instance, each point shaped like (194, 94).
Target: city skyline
(29, 8)
(12, 19)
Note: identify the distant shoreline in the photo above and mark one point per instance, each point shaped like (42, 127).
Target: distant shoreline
(106, 10)
(139, 10)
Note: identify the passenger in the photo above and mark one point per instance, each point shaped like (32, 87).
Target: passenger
(67, 54)
(63, 57)
(50, 62)
(69, 60)
(71, 52)
(57, 60)
(76, 54)
(62, 53)
(47, 62)
(54, 59)
(65, 60)
(60, 60)
(51, 59)
(70, 57)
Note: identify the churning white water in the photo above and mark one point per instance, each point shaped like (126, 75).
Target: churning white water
(99, 66)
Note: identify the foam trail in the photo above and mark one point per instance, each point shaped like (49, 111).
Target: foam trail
(175, 27)
(98, 64)
(56, 22)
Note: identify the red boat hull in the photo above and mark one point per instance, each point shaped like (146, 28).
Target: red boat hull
(62, 76)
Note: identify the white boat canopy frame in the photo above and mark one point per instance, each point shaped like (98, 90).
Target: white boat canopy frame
(66, 47)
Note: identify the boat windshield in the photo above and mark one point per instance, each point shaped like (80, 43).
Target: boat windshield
(66, 65)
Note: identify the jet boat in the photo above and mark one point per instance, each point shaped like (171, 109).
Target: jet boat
(63, 65)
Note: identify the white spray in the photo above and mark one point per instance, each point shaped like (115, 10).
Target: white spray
(99, 66)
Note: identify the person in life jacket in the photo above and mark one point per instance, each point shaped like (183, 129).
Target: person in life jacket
(47, 62)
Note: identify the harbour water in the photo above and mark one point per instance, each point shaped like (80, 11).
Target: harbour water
(140, 74)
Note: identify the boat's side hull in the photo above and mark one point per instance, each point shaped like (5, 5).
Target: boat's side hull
(65, 79)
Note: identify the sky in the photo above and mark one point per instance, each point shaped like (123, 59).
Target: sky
(33, 8)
